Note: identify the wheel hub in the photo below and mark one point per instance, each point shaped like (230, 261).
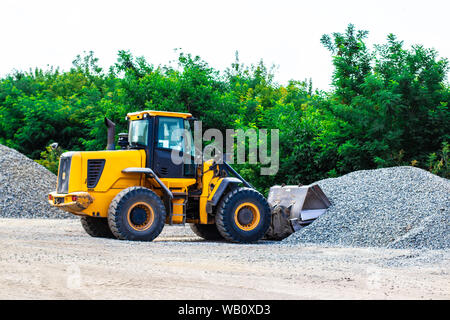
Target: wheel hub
(138, 216)
(245, 216)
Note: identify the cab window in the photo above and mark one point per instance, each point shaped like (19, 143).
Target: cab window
(169, 136)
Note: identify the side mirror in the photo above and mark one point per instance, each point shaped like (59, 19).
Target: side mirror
(54, 145)
(123, 140)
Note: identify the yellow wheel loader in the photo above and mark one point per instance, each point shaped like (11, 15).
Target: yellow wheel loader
(133, 192)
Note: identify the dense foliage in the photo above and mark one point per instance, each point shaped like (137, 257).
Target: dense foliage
(388, 107)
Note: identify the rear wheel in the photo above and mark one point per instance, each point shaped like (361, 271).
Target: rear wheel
(96, 227)
(206, 231)
(136, 213)
(243, 215)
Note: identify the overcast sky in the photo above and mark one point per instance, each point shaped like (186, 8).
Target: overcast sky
(281, 32)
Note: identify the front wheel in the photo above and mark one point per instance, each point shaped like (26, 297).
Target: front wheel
(243, 215)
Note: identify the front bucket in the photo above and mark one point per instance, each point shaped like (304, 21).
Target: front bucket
(294, 207)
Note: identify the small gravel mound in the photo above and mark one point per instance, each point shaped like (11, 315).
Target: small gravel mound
(398, 207)
(24, 185)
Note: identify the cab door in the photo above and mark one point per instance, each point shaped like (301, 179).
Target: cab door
(172, 148)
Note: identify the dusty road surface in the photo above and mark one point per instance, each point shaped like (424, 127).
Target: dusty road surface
(55, 259)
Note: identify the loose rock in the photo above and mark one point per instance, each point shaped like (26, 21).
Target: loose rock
(24, 185)
(398, 207)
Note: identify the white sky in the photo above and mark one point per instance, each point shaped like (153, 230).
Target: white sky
(284, 33)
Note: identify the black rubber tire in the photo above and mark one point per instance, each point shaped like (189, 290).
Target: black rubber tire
(206, 231)
(225, 212)
(118, 211)
(96, 227)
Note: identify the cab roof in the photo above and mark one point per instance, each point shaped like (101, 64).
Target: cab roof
(140, 114)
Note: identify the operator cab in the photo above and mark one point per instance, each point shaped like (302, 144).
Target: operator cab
(167, 140)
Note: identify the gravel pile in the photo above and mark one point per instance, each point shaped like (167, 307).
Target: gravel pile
(398, 207)
(24, 185)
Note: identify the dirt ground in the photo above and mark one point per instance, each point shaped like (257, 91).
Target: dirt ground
(55, 259)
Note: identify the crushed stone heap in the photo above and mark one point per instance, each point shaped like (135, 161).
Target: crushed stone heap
(24, 186)
(397, 207)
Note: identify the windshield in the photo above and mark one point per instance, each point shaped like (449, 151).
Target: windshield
(138, 133)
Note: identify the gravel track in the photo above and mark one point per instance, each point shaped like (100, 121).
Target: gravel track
(69, 264)
(398, 207)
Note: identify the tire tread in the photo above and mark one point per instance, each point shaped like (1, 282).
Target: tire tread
(115, 209)
(224, 208)
(96, 227)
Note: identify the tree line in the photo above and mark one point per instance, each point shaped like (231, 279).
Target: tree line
(388, 106)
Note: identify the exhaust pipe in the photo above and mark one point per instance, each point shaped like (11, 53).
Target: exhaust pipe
(111, 133)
